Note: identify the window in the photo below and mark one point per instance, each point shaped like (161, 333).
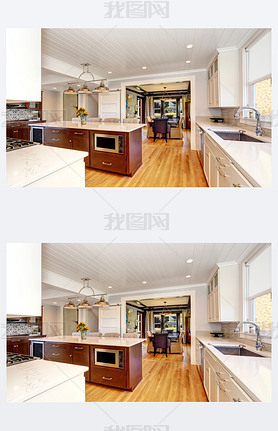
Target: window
(170, 322)
(170, 108)
(259, 298)
(157, 323)
(258, 76)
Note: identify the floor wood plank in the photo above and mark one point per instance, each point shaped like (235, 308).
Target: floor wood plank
(171, 379)
(165, 164)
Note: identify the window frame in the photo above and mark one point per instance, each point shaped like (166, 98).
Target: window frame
(247, 312)
(247, 97)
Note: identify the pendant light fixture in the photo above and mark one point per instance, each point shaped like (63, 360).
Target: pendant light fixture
(166, 96)
(85, 303)
(102, 88)
(164, 311)
(101, 302)
(85, 89)
(70, 90)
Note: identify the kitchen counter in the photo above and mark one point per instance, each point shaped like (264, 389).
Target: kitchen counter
(252, 374)
(98, 341)
(253, 159)
(100, 127)
(29, 165)
(32, 379)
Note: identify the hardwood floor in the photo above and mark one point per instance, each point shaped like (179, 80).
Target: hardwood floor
(171, 379)
(165, 164)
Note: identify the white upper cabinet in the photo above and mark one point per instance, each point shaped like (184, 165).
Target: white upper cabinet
(23, 279)
(223, 79)
(223, 294)
(23, 64)
(109, 319)
(109, 105)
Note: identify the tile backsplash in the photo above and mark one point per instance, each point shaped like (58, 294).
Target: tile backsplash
(20, 328)
(228, 329)
(228, 115)
(18, 114)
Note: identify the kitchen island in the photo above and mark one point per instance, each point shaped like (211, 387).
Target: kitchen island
(112, 147)
(115, 362)
(43, 381)
(42, 166)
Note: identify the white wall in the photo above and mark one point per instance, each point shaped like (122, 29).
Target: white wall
(89, 102)
(52, 320)
(52, 105)
(90, 317)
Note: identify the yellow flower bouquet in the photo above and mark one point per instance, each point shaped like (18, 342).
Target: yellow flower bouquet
(83, 114)
(82, 328)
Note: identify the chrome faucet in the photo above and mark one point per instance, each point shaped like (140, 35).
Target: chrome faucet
(259, 345)
(259, 130)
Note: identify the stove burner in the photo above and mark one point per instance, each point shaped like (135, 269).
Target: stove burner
(16, 144)
(17, 358)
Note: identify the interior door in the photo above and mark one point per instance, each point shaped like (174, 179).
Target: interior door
(109, 105)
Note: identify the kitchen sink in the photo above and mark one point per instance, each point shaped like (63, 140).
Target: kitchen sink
(237, 351)
(236, 135)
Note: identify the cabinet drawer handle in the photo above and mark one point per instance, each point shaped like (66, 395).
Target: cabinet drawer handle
(221, 388)
(222, 175)
(56, 347)
(55, 140)
(55, 131)
(79, 348)
(219, 161)
(107, 164)
(16, 345)
(55, 354)
(78, 133)
(237, 400)
(15, 131)
(237, 185)
(107, 378)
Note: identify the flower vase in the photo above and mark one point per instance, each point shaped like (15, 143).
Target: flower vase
(83, 335)
(83, 120)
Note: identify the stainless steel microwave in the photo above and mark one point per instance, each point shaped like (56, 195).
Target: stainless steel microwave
(108, 143)
(109, 358)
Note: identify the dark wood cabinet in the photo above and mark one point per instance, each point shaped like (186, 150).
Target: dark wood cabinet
(80, 142)
(109, 377)
(18, 345)
(55, 137)
(18, 130)
(58, 352)
(108, 162)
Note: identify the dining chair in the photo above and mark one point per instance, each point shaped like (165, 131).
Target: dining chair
(161, 341)
(94, 334)
(176, 346)
(112, 334)
(176, 131)
(111, 120)
(161, 125)
(94, 120)
(131, 335)
(150, 342)
(131, 120)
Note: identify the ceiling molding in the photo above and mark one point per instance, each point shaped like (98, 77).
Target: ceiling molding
(159, 289)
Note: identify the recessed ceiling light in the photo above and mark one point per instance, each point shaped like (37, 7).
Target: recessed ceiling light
(109, 287)
(188, 61)
(189, 45)
(189, 261)
(54, 88)
(188, 276)
(79, 300)
(54, 302)
(144, 67)
(144, 282)
(78, 85)
(109, 72)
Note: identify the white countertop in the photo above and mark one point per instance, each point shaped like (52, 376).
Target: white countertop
(29, 379)
(253, 159)
(100, 127)
(253, 374)
(30, 164)
(101, 341)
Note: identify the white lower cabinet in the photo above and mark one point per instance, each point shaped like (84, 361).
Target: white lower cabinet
(219, 385)
(219, 170)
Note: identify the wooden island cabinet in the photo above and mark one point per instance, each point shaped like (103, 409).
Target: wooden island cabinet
(72, 135)
(73, 350)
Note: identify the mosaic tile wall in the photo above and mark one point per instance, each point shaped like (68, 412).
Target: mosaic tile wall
(18, 114)
(19, 328)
